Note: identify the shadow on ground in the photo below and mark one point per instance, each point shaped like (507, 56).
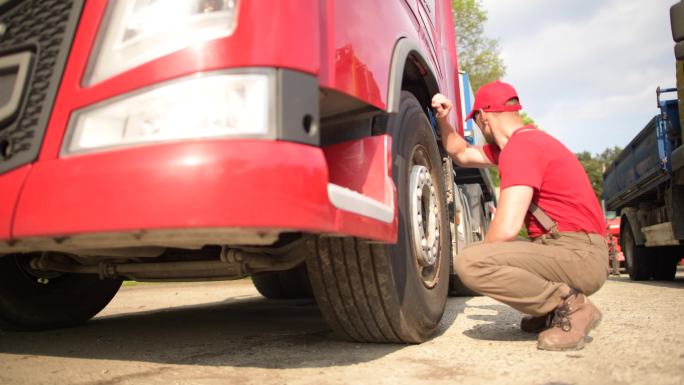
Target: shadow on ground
(502, 325)
(251, 332)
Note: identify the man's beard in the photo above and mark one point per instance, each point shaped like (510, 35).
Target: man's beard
(489, 137)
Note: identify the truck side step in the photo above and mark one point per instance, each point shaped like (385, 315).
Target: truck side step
(660, 235)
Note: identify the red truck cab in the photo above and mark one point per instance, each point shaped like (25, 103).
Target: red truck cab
(616, 258)
(216, 139)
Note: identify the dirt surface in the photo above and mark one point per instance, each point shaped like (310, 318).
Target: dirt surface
(225, 333)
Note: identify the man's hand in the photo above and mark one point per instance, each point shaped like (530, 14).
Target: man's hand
(442, 106)
(454, 144)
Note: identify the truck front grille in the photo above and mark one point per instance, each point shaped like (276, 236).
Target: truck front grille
(46, 29)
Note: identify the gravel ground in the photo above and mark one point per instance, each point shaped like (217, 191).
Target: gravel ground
(224, 333)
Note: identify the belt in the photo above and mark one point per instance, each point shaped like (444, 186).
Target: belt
(588, 238)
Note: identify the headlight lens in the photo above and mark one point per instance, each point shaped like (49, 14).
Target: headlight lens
(221, 105)
(138, 31)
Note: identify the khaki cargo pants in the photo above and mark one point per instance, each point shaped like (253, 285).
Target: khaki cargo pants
(533, 276)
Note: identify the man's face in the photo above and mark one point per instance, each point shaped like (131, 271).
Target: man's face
(484, 127)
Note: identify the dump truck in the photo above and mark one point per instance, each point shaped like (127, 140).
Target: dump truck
(645, 184)
(191, 140)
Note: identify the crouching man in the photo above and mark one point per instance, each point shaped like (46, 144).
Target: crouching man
(544, 186)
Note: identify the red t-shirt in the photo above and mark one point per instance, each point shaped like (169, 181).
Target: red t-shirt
(561, 186)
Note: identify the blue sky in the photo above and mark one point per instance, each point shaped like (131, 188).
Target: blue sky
(586, 70)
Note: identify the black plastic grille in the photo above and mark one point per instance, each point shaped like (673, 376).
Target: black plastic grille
(46, 28)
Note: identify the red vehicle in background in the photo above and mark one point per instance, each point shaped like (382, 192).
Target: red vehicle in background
(616, 258)
(287, 140)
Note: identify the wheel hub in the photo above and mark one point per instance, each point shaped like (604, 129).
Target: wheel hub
(424, 216)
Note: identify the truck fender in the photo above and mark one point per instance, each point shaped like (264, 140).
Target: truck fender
(629, 215)
(404, 48)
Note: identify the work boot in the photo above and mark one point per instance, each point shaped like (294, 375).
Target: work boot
(532, 324)
(571, 323)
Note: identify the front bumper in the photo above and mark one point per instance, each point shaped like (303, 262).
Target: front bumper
(204, 192)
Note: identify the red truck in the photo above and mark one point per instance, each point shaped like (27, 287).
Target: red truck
(287, 140)
(616, 258)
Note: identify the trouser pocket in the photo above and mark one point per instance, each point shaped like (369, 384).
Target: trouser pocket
(592, 270)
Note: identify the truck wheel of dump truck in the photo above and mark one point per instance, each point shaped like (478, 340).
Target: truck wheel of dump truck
(36, 300)
(665, 265)
(638, 260)
(393, 293)
(288, 284)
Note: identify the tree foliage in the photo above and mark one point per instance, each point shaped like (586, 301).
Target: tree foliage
(478, 55)
(595, 165)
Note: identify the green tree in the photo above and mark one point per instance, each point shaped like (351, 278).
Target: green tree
(593, 168)
(478, 55)
(496, 178)
(609, 155)
(527, 119)
(595, 165)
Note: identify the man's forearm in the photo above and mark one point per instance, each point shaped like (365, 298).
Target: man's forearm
(497, 233)
(453, 143)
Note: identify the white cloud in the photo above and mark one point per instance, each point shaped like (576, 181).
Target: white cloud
(586, 71)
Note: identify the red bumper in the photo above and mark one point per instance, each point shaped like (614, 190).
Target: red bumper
(210, 184)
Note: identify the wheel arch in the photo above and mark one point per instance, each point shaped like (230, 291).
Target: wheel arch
(410, 71)
(630, 218)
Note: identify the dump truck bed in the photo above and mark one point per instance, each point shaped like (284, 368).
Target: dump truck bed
(646, 161)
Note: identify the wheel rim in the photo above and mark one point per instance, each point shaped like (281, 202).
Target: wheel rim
(43, 277)
(461, 227)
(425, 218)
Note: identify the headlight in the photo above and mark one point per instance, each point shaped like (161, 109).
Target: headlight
(209, 106)
(138, 31)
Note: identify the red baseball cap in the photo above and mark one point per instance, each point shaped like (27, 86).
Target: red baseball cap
(492, 97)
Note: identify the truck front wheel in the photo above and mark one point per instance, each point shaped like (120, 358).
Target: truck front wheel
(36, 300)
(393, 293)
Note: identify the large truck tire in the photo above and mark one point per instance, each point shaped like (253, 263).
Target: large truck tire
(31, 300)
(639, 261)
(391, 293)
(665, 266)
(289, 284)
